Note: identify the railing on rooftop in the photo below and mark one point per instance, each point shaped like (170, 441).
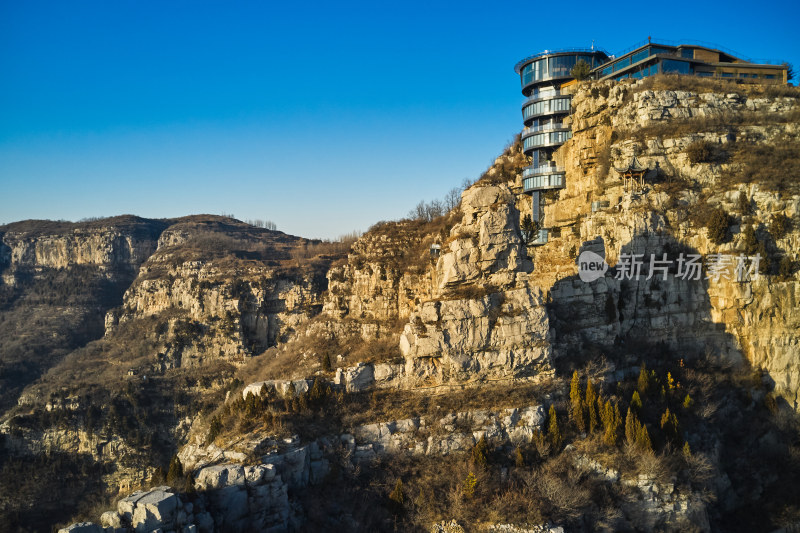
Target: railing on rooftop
(527, 172)
(520, 64)
(690, 42)
(543, 95)
(547, 181)
(547, 127)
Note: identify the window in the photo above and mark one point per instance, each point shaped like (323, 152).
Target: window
(688, 53)
(704, 74)
(644, 54)
(727, 74)
(769, 76)
(679, 67)
(561, 65)
(606, 71)
(657, 50)
(622, 63)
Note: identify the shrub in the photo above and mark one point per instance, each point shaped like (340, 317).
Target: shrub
(779, 226)
(530, 229)
(581, 70)
(717, 226)
(750, 241)
(743, 203)
(700, 152)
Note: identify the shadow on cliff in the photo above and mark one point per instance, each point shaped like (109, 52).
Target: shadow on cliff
(610, 328)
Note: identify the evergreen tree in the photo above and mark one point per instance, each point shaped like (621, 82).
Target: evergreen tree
(581, 70)
(591, 405)
(576, 403)
(669, 425)
(469, 485)
(397, 495)
(631, 428)
(643, 441)
(612, 423)
(326, 363)
(480, 452)
(553, 431)
(519, 457)
(688, 402)
(643, 385)
(636, 401)
(175, 471)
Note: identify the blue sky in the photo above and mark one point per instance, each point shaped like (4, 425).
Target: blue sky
(322, 117)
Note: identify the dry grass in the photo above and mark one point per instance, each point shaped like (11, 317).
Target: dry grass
(696, 84)
(773, 165)
(726, 122)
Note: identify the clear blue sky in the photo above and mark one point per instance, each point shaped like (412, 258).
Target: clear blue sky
(323, 117)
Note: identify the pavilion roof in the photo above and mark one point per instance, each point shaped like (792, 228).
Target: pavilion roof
(633, 166)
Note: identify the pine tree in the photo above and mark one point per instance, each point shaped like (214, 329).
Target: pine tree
(480, 452)
(576, 403)
(175, 471)
(636, 401)
(688, 402)
(669, 425)
(397, 495)
(469, 485)
(613, 422)
(643, 441)
(591, 406)
(631, 427)
(519, 458)
(326, 363)
(553, 431)
(644, 381)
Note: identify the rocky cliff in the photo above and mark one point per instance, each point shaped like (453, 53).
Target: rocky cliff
(420, 377)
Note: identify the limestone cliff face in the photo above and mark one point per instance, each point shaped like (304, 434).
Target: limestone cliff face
(217, 311)
(381, 280)
(221, 291)
(756, 319)
(484, 320)
(121, 242)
